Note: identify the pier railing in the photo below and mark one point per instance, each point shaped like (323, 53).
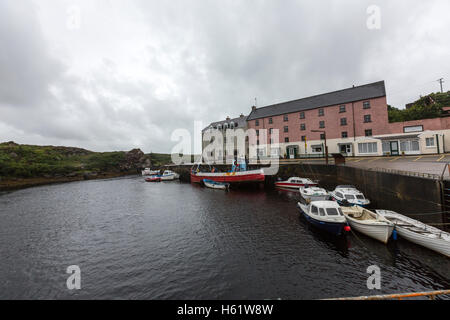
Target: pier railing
(408, 173)
(399, 296)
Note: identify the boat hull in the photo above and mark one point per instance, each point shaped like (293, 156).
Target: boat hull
(229, 177)
(335, 228)
(293, 185)
(439, 245)
(215, 185)
(380, 232)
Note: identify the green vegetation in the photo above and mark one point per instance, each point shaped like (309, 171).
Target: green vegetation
(426, 107)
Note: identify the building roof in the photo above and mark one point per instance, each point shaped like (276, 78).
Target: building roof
(241, 121)
(368, 91)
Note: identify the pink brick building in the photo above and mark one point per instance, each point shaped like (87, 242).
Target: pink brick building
(354, 122)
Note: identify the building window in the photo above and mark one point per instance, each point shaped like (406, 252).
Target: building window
(303, 127)
(302, 115)
(257, 122)
(366, 105)
(271, 140)
(343, 121)
(321, 112)
(236, 125)
(286, 139)
(344, 134)
(257, 133)
(322, 136)
(368, 147)
(303, 138)
(342, 109)
(409, 145)
(270, 120)
(368, 132)
(367, 118)
(316, 149)
(430, 142)
(386, 146)
(271, 130)
(286, 129)
(286, 118)
(322, 124)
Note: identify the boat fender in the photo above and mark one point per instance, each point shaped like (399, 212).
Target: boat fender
(394, 234)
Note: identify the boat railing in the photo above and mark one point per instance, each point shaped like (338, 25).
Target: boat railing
(399, 296)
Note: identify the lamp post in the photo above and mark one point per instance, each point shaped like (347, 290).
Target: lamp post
(325, 138)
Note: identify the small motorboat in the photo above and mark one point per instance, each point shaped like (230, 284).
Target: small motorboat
(295, 183)
(153, 179)
(216, 185)
(349, 196)
(418, 232)
(314, 193)
(169, 175)
(149, 172)
(369, 223)
(326, 215)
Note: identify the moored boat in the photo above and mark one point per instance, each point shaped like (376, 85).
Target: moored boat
(198, 176)
(369, 223)
(169, 175)
(418, 232)
(295, 183)
(216, 185)
(325, 215)
(349, 196)
(149, 172)
(314, 193)
(153, 179)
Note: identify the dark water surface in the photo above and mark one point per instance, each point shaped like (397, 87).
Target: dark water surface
(137, 240)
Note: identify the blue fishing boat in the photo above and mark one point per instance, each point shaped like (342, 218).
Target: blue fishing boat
(325, 215)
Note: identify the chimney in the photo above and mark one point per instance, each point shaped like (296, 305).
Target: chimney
(241, 116)
(253, 108)
(228, 118)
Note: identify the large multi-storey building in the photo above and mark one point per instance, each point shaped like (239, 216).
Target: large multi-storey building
(351, 121)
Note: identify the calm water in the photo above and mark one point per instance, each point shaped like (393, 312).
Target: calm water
(137, 240)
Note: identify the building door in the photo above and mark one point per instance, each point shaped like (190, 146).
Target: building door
(394, 148)
(346, 149)
(292, 152)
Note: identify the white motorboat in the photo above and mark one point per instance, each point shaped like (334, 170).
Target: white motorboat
(169, 175)
(349, 195)
(314, 193)
(369, 223)
(149, 172)
(418, 232)
(216, 185)
(326, 215)
(295, 183)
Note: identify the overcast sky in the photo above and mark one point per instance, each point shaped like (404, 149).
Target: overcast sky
(115, 75)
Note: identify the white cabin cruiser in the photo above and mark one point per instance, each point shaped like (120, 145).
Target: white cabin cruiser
(314, 193)
(149, 172)
(295, 183)
(369, 223)
(347, 195)
(169, 175)
(418, 232)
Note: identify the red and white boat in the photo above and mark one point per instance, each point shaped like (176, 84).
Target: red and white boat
(230, 177)
(295, 183)
(153, 179)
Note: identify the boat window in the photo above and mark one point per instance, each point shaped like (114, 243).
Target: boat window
(339, 194)
(340, 212)
(349, 197)
(322, 212)
(332, 211)
(360, 196)
(314, 210)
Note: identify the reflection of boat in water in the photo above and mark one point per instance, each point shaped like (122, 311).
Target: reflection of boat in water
(369, 223)
(238, 174)
(314, 193)
(216, 185)
(325, 215)
(295, 183)
(418, 232)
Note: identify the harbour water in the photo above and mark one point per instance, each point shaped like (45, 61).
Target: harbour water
(172, 240)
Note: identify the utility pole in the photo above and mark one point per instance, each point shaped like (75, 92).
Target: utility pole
(441, 80)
